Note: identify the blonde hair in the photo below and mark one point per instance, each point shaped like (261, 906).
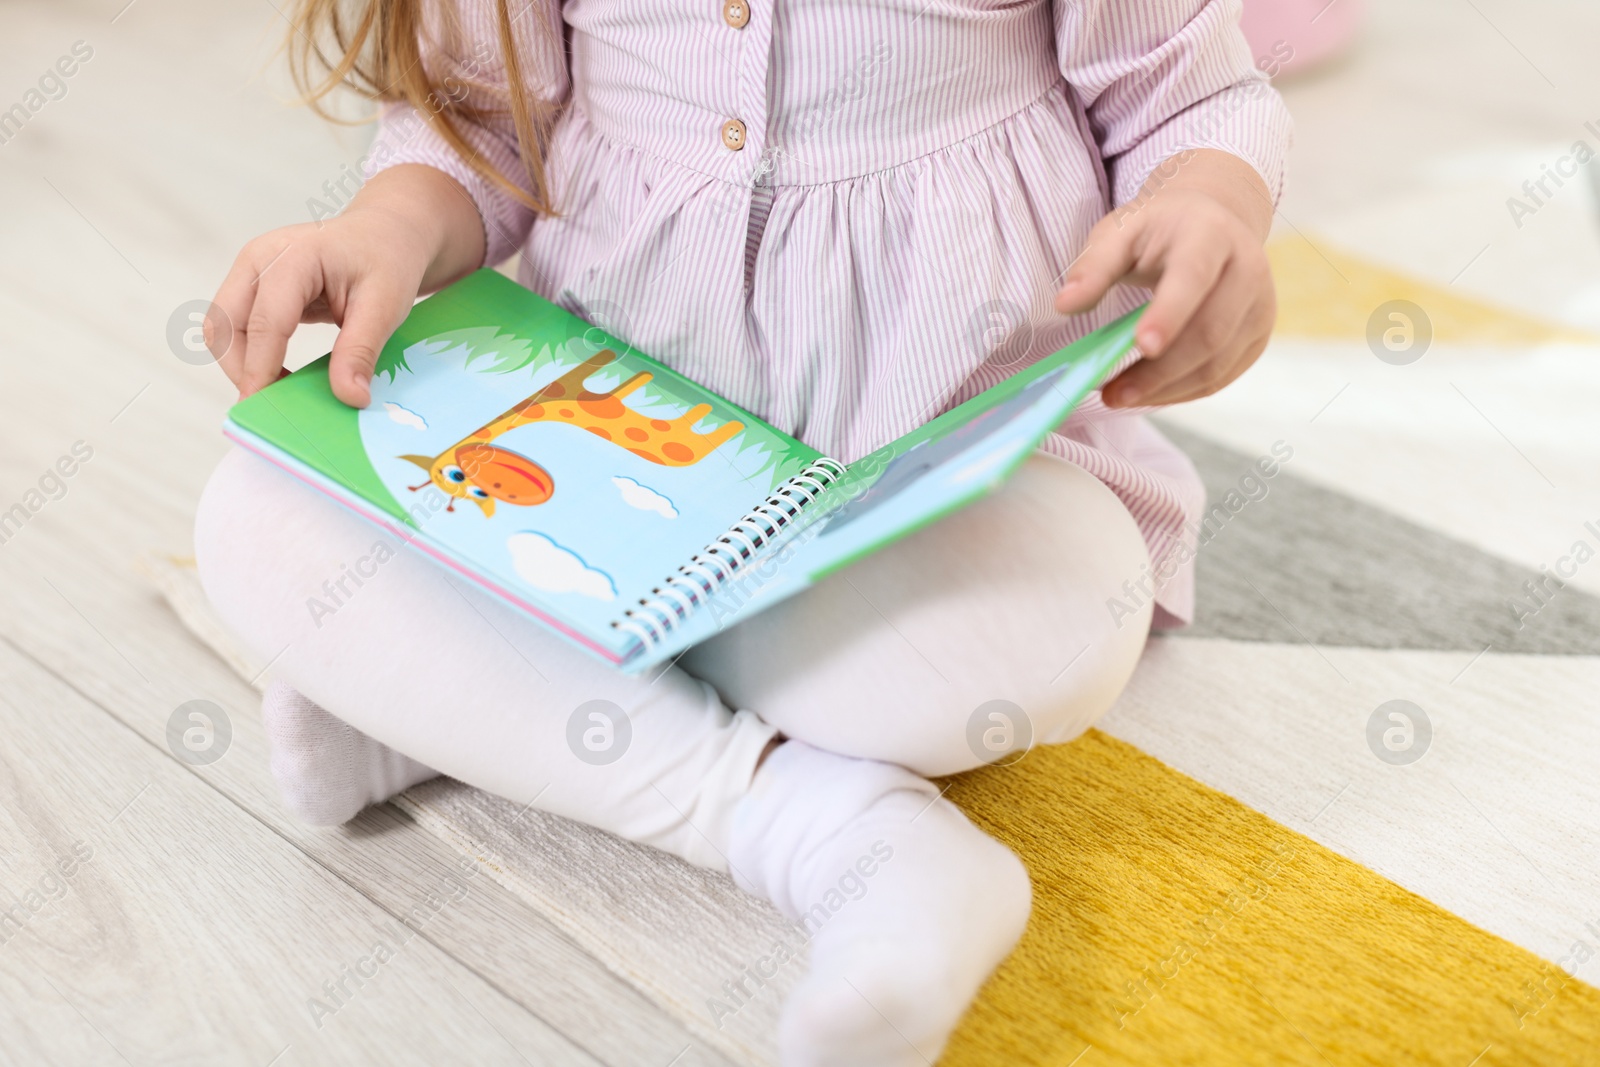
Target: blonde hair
(375, 48)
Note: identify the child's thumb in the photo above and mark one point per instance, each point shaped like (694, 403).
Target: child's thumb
(369, 318)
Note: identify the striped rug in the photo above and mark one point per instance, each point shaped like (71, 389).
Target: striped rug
(1173, 925)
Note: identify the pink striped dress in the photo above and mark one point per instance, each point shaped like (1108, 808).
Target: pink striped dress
(848, 215)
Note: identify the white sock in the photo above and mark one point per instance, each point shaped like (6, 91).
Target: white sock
(908, 905)
(328, 771)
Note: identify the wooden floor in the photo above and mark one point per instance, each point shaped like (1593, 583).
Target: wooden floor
(205, 924)
(199, 923)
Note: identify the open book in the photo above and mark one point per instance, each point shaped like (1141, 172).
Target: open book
(607, 496)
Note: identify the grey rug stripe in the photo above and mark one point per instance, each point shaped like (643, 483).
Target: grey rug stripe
(1306, 563)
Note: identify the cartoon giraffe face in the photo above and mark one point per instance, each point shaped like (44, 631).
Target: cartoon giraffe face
(483, 474)
(477, 470)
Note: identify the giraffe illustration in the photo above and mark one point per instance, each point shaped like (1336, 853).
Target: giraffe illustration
(475, 469)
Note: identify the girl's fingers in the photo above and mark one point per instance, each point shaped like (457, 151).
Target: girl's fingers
(371, 314)
(365, 280)
(1148, 379)
(1105, 259)
(1135, 386)
(1211, 376)
(318, 311)
(1208, 314)
(1222, 319)
(225, 337)
(1189, 271)
(282, 293)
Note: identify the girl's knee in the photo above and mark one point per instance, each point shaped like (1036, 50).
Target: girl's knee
(256, 541)
(990, 632)
(225, 519)
(1091, 683)
(1024, 697)
(982, 727)
(1088, 641)
(228, 504)
(1071, 646)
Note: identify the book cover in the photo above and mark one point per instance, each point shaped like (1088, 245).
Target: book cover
(538, 455)
(624, 506)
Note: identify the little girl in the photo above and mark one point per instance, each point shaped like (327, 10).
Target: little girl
(846, 218)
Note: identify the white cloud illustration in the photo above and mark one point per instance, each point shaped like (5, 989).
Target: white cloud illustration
(644, 498)
(404, 416)
(545, 565)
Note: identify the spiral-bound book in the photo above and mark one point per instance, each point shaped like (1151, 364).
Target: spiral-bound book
(630, 510)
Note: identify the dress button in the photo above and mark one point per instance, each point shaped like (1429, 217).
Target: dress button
(736, 13)
(733, 134)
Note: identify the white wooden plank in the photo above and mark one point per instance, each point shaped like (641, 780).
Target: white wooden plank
(173, 926)
(93, 617)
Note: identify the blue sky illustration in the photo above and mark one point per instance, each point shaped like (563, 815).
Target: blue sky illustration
(623, 519)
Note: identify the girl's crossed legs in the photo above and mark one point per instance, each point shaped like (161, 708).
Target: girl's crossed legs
(892, 666)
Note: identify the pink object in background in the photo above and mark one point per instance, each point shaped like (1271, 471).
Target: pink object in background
(1295, 35)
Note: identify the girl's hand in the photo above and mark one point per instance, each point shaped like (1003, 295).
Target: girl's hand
(1195, 238)
(410, 228)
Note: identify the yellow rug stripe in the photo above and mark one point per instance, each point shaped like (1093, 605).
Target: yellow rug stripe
(1173, 925)
(1324, 292)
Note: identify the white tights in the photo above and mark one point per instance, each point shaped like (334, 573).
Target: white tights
(888, 660)
(980, 633)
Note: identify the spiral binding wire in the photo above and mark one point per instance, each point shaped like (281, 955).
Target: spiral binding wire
(708, 570)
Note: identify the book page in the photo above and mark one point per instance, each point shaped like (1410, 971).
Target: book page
(916, 480)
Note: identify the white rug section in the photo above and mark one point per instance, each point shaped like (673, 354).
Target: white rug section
(1453, 228)
(1498, 822)
(1405, 152)
(1388, 167)
(1461, 442)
